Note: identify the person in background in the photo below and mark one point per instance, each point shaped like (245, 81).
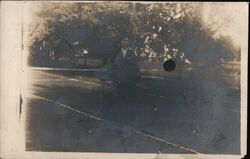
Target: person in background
(125, 68)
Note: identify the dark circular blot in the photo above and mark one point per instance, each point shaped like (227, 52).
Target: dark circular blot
(169, 65)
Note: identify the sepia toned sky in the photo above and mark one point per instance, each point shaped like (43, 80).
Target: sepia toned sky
(226, 18)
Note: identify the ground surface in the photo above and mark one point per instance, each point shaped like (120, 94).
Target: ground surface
(179, 112)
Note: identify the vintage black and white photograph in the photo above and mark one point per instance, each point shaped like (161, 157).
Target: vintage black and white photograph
(132, 77)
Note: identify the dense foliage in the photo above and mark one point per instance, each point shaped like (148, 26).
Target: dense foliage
(95, 29)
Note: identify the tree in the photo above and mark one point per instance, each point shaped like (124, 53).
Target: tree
(99, 28)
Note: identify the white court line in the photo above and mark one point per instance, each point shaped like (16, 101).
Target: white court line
(63, 69)
(169, 143)
(152, 70)
(76, 80)
(100, 119)
(82, 70)
(47, 80)
(89, 83)
(152, 77)
(158, 77)
(68, 107)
